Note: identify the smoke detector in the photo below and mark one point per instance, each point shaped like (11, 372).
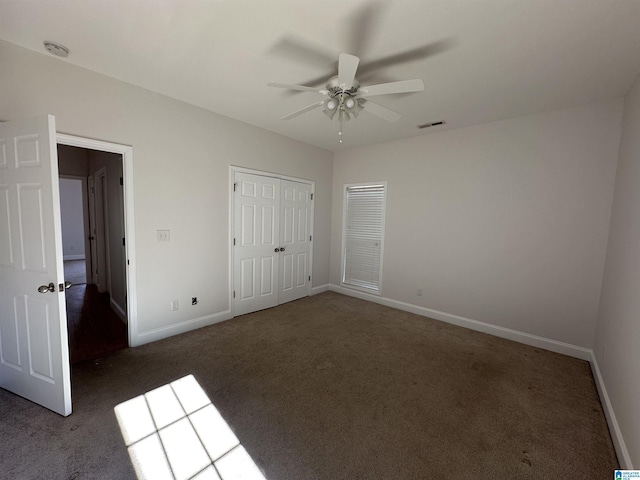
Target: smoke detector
(56, 49)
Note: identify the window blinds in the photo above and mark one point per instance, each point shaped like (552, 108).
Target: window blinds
(364, 232)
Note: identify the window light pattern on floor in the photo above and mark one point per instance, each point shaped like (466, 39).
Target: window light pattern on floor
(174, 432)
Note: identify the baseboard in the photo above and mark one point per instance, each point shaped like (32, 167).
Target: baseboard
(119, 310)
(178, 328)
(502, 332)
(73, 257)
(319, 289)
(614, 427)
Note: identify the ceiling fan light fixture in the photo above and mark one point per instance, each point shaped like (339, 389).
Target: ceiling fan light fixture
(349, 103)
(331, 106)
(329, 113)
(332, 103)
(354, 106)
(344, 115)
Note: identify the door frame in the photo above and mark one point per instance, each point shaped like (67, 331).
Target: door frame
(91, 278)
(233, 169)
(126, 152)
(101, 219)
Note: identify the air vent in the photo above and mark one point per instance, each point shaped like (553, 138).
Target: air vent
(432, 124)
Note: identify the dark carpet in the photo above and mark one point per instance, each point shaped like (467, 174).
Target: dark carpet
(332, 387)
(94, 329)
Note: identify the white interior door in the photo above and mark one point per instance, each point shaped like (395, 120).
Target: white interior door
(34, 352)
(93, 278)
(257, 224)
(272, 241)
(295, 240)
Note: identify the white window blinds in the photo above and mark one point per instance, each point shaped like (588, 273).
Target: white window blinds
(363, 236)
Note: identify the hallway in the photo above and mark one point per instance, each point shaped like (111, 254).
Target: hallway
(94, 328)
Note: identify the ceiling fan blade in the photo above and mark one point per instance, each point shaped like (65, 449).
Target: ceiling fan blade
(412, 55)
(321, 79)
(380, 111)
(403, 86)
(302, 51)
(361, 26)
(303, 110)
(347, 66)
(301, 88)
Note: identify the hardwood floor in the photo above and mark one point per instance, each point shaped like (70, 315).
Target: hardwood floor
(94, 328)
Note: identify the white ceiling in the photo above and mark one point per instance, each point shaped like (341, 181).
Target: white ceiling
(490, 59)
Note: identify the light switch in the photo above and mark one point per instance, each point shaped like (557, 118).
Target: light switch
(163, 235)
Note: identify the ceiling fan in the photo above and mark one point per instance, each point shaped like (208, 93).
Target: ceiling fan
(346, 98)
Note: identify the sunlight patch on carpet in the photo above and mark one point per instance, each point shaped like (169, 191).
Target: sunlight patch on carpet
(174, 432)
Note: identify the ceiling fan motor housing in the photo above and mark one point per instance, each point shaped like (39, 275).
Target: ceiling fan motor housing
(334, 87)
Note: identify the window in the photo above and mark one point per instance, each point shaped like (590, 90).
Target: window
(363, 235)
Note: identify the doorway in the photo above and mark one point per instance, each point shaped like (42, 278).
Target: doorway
(95, 260)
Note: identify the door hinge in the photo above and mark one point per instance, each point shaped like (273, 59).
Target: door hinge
(234, 294)
(123, 244)
(310, 237)
(309, 277)
(121, 181)
(235, 185)
(234, 242)
(312, 196)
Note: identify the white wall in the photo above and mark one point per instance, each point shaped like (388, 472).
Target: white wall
(504, 223)
(72, 217)
(618, 327)
(181, 157)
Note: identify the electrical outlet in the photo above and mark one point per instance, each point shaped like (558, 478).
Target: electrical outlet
(194, 300)
(163, 235)
(175, 304)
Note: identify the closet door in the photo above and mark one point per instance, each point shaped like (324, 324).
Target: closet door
(295, 240)
(256, 249)
(272, 241)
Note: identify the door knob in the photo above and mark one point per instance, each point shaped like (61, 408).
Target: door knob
(282, 249)
(47, 288)
(277, 250)
(67, 285)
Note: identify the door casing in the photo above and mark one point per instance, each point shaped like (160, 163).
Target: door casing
(102, 268)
